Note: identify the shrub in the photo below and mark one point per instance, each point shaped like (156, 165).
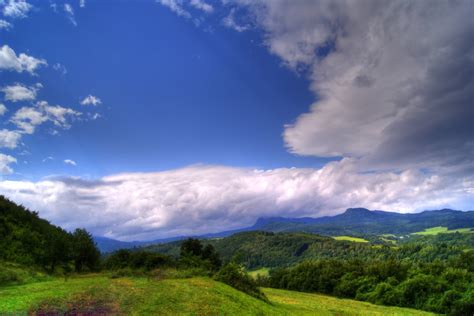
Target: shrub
(9, 277)
(235, 276)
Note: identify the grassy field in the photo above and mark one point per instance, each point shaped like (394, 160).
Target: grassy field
(442, 230)
(193, 296)
(261, 272)
(349, 238)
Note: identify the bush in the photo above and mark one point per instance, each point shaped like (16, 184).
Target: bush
(9, 277)
(236, 277)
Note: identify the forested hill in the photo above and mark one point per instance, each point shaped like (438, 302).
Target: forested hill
(353, 222)
(27, 239)
(361, 221)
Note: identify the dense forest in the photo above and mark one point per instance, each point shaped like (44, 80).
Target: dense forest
(438, 286)
(27, 239)
(266, 249)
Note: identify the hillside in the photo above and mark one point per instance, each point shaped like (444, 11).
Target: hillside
(196, 296)
(257, 249)
(360, 221)
(27, 239)
(353, 222)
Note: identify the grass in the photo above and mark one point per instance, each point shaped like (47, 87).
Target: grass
(297, 303)
(261, 272)
(442, 230)
(350, 238)
(192, 296)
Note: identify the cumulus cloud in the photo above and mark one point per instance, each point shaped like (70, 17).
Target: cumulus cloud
(3, 109)
(201, 199)
(5, 162)
(9, 139)
(19, 92)
(4, 25)
(379, 70)
(70, 13)
(28, 118)
(16, 8)
(57, 114)
(70, 162)
(10, 61)
(91, 100)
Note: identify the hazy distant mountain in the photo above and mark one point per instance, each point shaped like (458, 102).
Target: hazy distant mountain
(363, 221)
(354, 221)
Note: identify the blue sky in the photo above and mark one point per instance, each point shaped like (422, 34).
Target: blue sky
(172, 94)
(147, 119)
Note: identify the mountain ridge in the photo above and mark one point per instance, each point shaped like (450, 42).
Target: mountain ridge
(354, 221)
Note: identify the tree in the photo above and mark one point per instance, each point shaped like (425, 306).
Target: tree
(85, 252)
(191, 247)
(194, 254)
(235, 276)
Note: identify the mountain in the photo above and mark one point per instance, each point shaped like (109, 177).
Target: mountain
(361, 221)
(354, 221)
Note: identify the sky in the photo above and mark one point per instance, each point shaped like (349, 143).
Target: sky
(149, 119)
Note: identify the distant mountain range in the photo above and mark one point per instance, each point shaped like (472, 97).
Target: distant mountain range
(354, 221)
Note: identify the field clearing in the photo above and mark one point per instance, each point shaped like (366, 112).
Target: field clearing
(442, 230)
(262, 272)
(193, 296)
(350, 238)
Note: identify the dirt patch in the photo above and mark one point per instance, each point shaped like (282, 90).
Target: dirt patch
(80, 305)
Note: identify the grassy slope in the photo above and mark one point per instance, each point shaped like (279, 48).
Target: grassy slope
(197, 296)
(442, 230)
(349, 238)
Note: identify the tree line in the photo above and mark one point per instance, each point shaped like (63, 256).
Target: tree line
(27, 239)
(440, 286)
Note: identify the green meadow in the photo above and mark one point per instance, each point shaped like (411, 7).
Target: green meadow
(442, 230)
(350, 238)
(189, 296)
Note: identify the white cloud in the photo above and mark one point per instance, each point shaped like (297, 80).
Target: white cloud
(10, 61)
(176, 6)
(9, 139)
(28, 118)
(57, 114)
(70, 13)
(49, 158)
(378, 70)
(82, 3)
(5, 162)
(20, 92)
(229, 21)
(70, 162)
(60, 68)
(201, 5)
(201, 199)
(3, 109)
(4, 25)
(91, 100)
(16, 8)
